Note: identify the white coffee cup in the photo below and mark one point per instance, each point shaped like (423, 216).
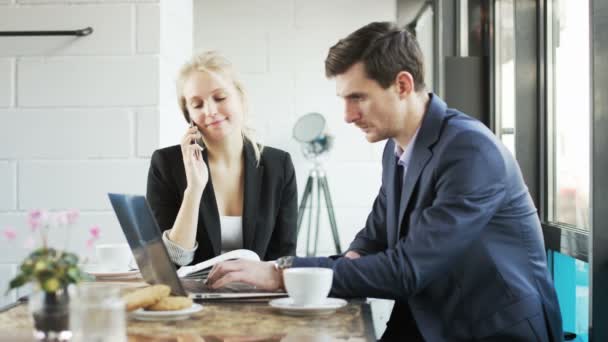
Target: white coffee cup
(114, 257)
(308, 286)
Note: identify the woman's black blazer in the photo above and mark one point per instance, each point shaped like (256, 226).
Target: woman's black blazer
(269, 203)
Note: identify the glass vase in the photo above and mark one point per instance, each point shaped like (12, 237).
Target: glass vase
(50, 315)
(97, 313)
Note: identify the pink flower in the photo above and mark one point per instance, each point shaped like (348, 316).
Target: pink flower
(61, 218)
(72, 215)
(10, 233)
(29, 243)
(90, 243)
(33, 220)
(36, 219)
(35, 214)
(94, 230)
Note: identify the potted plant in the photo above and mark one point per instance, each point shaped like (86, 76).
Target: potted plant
(50, 271)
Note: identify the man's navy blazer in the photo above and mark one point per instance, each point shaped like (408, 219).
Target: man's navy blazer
(461, 244)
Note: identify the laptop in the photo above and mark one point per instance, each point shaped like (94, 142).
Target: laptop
(145, 239)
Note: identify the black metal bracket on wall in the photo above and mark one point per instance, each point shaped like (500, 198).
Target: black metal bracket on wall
(79, 33)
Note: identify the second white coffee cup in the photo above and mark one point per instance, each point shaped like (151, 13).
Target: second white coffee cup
(114, 257)
(308, 286)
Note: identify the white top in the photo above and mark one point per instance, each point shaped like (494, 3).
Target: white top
(232, 233)
(232, 238)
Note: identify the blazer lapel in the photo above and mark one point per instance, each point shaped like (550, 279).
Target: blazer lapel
(428, 135)
(209, 214)
(392, 202)
(253, 181)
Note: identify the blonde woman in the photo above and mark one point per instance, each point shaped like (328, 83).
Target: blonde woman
(218, 190)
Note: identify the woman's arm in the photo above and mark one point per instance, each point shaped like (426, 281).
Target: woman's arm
(183, 232)
(162, 194)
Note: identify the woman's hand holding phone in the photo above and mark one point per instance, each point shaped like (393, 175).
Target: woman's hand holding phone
(197, 173)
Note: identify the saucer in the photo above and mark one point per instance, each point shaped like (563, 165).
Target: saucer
(286, 306)
(175, 315)
(99, 273)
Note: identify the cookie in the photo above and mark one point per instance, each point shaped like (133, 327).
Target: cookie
(145, 297)
(171, 304)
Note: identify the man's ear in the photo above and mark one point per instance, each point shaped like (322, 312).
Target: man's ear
(404, 83)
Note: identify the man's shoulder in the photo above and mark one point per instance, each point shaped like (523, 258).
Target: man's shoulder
(459, 124)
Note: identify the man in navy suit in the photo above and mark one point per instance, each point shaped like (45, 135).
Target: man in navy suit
(453, 236)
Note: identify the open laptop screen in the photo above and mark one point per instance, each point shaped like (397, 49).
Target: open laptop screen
(145, 239)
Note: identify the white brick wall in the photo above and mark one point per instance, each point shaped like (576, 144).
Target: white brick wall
(6, 82)
(65, 133)
(279, 48)
(148, 28)
(78, 116)
(87, 81)
(78, 184)
(147, 132)
(8, 181)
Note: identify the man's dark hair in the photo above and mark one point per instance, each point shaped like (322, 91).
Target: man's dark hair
(385, 50)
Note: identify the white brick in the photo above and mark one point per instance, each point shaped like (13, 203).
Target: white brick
(148, 29)
(277, 132)
(269, 95)
(8, 180)
(87, 81)
(147, 132)
(348, 14)
(64, 134)
(78, 184)
(353, 184)
(6, 82)
(72, 238)
(108, 37)
(246, 48)
(302, 50)
(262, 14)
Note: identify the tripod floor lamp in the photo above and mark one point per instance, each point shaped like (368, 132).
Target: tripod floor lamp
(309, 130)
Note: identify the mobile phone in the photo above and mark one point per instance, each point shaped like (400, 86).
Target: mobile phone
(199, 139)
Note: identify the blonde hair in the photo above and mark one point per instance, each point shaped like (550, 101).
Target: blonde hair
(212, 61)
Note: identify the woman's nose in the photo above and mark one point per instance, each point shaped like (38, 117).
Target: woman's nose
(210, 108)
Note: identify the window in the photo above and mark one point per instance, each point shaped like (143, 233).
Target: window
(568, 108)
(504, 70)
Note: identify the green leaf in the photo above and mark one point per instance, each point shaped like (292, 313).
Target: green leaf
(70, 258)
(27, 267)
(16, 282)
(74, 274)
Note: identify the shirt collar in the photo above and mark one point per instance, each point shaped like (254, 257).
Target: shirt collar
(405, 156)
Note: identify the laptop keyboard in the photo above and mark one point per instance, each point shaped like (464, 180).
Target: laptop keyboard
(199, 286)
